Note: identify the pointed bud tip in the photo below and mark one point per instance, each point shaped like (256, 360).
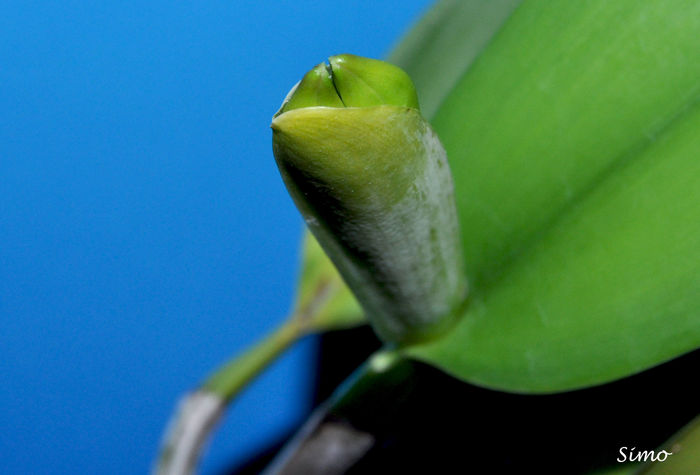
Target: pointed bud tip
(316, 89)
(352, 81)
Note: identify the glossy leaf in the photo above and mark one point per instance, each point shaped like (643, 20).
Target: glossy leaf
(610, 288)
(574, 142)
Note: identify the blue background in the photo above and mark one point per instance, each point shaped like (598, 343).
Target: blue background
(145, 235)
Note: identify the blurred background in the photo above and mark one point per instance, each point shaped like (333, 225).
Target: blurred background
(145, 235)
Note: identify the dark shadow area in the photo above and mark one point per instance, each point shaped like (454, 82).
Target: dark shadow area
(447, 425)
(257, 462)
(339, 354)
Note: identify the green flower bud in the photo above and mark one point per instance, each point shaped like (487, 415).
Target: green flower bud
(372, 181)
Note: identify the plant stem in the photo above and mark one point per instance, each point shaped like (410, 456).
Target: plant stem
(231, 378)
(200, 411)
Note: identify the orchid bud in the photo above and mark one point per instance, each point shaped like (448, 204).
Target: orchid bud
(372, 182)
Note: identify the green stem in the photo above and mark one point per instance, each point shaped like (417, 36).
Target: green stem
(235, 375)
(200, 411)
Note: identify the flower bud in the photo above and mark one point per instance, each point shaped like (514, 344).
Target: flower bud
(372, 181)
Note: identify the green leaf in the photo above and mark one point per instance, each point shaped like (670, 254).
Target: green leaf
(610, 288)
(574, 144)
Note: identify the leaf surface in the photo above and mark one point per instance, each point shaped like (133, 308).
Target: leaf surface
(610, 288)
(574, 143)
